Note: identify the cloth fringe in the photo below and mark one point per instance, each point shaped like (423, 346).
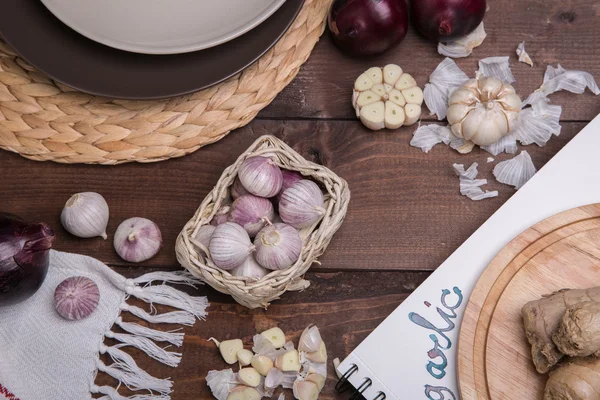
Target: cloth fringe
(180, 277)
(169, 358)
(175, 338)
(113, 394)
(173, 317)
(169, 296)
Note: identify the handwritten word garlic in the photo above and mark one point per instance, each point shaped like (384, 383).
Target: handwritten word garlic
(387, 98)
(483, 110)
(278, 246)
(137, 239)
(85, 215)
(261, 176)
(230, 246)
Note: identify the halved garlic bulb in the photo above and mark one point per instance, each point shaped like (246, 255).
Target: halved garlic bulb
(387, 98)
(483, 110)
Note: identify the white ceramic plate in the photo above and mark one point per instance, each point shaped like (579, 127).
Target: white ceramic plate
(162, 26)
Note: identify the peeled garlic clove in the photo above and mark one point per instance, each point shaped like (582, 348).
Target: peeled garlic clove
(76, 298)
(85, 215)
(319, 356)
(391, 73)
(379, 90)
(274, 378)
(302, 205)
(306, 390)
(289, 361)
(363, 82)
(413, 95)
(464, 97)
(249, 377)
(278, 246)
(244, 357)
(372, 116)
(275, 336)
(261, 176)
(244, 393)
(395, 96)
(236, 394)
(412, 114)
(251, 394)
(405, 81)
(310, 340)
(367, 97)
(229, 349)
(137, 239)
(394, 115)
(230, 246)
(262, 364)
(375, 74)
(252, 213)
(317, 379)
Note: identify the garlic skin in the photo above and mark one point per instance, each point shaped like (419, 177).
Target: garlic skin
(250, 269)
(85, 215)
(137, 239)
(310, 340)
(289, 179)
(204, 234)
(230, 246)
(302, 205)
(252, 213)
(221, 216)
(278, 246)
(274, 378)
(237, 189)
(261, 176)
(387, 98)
(76, 298)
(483, 110)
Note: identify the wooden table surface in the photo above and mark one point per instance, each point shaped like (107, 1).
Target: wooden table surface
(406, 215)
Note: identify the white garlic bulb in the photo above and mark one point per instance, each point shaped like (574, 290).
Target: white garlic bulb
(85, 215)
(387, 98)
(137, 239)
(230, 246)
(278, 246)
(483, 110)
(249, 269)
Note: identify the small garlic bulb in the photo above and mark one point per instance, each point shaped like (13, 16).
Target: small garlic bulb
(302, 204)
(221, 216)
(278, 246)
(137, 239)
(289, 179)
(230, 246)
(252, 213)
(204, 234)
(249, 269)
(237, 189)
(261, 176)
(483, 110)
(76, 298)
(85, 215)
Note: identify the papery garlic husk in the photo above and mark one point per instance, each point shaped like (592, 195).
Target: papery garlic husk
(204, 234)
(237, 189)
(516, 171)
(230, 246)
(261, 176)
(427, 136)
(523, 56)
(252, 213)
(86, 215)
(278, 246)
(302, 204)
(557, 79)
(274, 378)
(250, 269)
(310, 340)
(221, 383)
(289, 179)
(446, 77)
(496, 67)
(469, 185)
(221, 216)
(387, 98)
(137, 239)
(483, 110)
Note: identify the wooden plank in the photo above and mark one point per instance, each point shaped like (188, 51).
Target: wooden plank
(554, 32)
(405, 213)
(344, 310)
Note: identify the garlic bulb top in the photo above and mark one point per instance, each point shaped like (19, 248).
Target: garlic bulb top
(85, 215)
(483, 110)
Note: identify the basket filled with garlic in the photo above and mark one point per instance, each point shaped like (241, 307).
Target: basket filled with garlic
(268, 219)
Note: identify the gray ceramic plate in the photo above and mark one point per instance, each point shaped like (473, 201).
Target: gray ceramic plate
(70, 58)
(162, 26)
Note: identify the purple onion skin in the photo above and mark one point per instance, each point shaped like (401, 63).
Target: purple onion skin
(444, 20)
(289, 178)
(368, 27)
(24, 258)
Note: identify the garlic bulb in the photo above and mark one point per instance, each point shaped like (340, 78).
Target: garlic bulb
(137, 239)
(302, 204)
(483, 110)
(387, 98)
(278, 246)
(85, 215)
(204, 234)
(230, 246)
(252, 213)
(249, 269)
(310, 340)
(289, 179)
(221, 216)
(237, 189)
(261, 176)
(76, 298)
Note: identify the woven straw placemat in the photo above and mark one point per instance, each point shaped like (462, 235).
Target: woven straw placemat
(44, 120)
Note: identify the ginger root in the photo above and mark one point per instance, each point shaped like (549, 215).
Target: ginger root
(541, 318)
(578, 379)
(578, 335)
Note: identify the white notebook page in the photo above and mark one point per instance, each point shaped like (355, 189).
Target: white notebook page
(412, 354)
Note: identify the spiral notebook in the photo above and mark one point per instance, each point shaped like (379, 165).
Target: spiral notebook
(412, 354)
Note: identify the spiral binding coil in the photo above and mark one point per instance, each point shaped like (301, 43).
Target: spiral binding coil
(344, 384)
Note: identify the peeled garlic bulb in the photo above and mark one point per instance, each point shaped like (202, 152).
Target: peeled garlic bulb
(137, 239)
(391, 103)
(85, 215)
(230, 246)
(483, 110)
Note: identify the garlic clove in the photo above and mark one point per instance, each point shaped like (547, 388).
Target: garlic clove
(230, 246)
(278, 246)
(249, 377)
(306, 390)
(251, 394)
(317, 379)
(394, 115)
(391, 73)
(262, 364)
(463, 96)
(471, 124)
(76, 298)
(372, 116)
(229, 349)
(412, 114)
(388, 88)
(244, 357)
(379, 89)
(395, 96)
(310, 340)
(363, 82)
(221, 216)
(375, 74)
(367, 97)
(236, 394)
(289, 361)
(511, 102)
(405, 81)
(275, 336)
(250, 269)
(237, 189)
(252, 213)
(319, 356)
(204, 234)
(137, 239)
(413, 95)
(457, 113)
(86, 215)
(490, 87)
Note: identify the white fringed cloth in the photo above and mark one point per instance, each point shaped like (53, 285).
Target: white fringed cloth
(46, 357)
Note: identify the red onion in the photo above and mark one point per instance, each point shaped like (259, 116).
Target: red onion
(289, 178)
(24, 258)
(443, 20)
(252, 213)
(367, 27)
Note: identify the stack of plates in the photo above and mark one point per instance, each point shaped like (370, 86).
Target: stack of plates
(143, 49)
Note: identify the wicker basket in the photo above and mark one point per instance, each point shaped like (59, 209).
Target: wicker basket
(254, 293)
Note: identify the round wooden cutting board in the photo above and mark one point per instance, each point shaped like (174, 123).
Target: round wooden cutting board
(494, 358)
